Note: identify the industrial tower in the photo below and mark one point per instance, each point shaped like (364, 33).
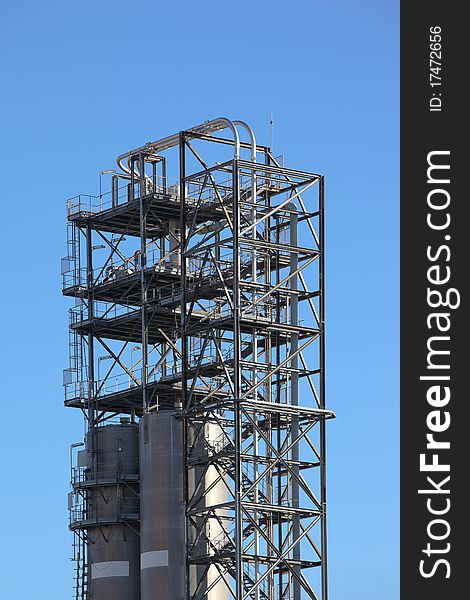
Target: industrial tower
(197, 356)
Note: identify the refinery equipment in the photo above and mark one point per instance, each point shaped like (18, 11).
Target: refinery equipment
(197, 357)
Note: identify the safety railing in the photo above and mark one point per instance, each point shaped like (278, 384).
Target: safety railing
(101, 310)
(118, 270)
(103, 471)
(162, 370)
(208, 191)
(92, 510)
(90, 204)
(206, 545)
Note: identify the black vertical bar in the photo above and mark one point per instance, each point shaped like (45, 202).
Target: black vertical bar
(434, 288)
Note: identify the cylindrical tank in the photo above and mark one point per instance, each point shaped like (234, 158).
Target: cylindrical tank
(162, 543)
(111, 481)
(209, 490)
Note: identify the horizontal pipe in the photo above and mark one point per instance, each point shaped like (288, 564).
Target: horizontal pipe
(173, 140)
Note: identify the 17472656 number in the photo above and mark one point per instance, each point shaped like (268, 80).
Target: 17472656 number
(435, 67)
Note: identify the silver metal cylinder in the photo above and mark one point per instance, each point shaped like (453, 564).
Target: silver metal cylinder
(162, 542)
(216, 495)
(111, 484)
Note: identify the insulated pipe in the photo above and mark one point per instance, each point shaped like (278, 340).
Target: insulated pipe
(173, 140)
(253, 158)
(254, 275)
(252, 137)
(216, 227)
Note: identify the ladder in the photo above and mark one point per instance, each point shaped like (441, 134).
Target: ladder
(81, 567)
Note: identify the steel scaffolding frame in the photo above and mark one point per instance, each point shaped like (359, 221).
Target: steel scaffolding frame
(225, 298)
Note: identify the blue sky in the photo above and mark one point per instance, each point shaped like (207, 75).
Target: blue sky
(83, 82)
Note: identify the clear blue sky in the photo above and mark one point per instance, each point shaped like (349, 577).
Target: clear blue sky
(84, 81)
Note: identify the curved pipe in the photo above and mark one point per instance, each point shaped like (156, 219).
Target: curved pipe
(236, 137)
(208, 228)
(173, 140)
(252, 137)
(253, 158)
(253, 197)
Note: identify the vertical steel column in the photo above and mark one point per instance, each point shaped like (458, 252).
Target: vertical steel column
(182, 194)
(93, 433)
(143, 287)
(184, 345)
(324, 541)
(90, 337)
(237, 385)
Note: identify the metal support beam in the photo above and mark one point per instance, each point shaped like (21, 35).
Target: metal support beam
(218, 283)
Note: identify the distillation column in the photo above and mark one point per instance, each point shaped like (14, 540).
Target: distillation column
(218, 491)
(111, 512)
(162, 517)
(162, 543)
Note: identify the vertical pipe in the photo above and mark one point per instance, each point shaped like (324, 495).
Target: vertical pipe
(268, 275)
(255, 360)
(114, 190)
(162, 245)
(277, 230)
(143, 287)
(294, 365)
(324, 540)
(154, 176)
(236, 386)
(132, 184)
(76, 237)
(164, 174)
